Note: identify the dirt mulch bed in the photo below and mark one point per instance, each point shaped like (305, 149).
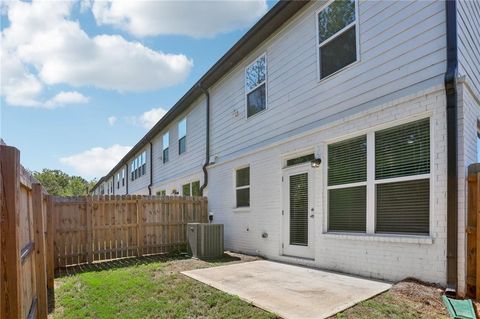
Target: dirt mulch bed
(408, 299)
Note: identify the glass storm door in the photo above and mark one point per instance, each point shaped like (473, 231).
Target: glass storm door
(298, 214)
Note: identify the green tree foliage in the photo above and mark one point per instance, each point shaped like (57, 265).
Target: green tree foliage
(59, 183)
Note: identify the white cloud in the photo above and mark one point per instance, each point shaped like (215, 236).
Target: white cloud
(111, 120)
(149, 118)
(64, 98)
(42, 46)
(191, 18)
(96, 161)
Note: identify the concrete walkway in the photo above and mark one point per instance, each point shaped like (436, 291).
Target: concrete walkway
(290, 291)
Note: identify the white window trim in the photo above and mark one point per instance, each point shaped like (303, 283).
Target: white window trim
(251, 90)
(237, 208)
(371, 183)
(318, 45)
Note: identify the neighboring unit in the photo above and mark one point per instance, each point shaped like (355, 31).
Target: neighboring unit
(334, 134)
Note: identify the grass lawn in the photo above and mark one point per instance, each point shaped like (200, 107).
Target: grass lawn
(145, 289)
(153, 287)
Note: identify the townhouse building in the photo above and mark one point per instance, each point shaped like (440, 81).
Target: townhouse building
(334, 134)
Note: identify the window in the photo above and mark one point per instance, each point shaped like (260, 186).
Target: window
(196, 188)
(337, 36)
(132, 169)
(191, 189)
(399, 181)
(186, 190)
(162, 193)
(118, 180)
(300, 160)
(403, 152)
(182, 136)
(138, 166)
(242, 187)
(166, 143)
(347, 185)
(123, 177)
(144, 162)
(255, 86)
(478, 145)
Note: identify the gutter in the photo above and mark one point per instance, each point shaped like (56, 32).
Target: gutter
(207, 140)
(126, 178)
(452, 152)
(151, 170)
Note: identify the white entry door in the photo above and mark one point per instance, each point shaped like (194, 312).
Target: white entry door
(298, 212)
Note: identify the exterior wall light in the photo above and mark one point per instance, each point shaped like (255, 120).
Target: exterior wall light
(316, 162)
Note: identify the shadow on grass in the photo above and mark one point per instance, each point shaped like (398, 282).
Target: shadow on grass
(132, 261)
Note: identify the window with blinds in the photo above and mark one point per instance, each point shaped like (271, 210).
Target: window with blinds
(403, 152)
(347, 178)
(399, 183)
(299, 209)
(242, 187)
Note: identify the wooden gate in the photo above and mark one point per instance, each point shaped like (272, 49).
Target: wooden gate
(96, 228)
(22, 234)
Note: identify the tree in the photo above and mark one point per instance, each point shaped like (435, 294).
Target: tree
(59, 183)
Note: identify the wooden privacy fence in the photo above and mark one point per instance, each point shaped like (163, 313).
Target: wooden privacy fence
(23, 283)
(96, 228)
(473, 232)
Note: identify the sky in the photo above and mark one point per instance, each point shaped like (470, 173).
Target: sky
(82, 81)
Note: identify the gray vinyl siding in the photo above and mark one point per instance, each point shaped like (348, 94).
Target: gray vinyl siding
(192, 159)
(402, 45)
(468, 20)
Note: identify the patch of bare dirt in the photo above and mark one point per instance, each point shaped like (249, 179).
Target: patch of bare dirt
(419, 292)
(176, 266)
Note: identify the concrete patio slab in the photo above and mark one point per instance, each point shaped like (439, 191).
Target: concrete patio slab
(290, 291)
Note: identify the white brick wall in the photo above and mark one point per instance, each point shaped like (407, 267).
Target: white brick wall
(384, 257)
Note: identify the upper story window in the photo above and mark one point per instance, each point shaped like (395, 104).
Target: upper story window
(182, 136)
(123, 177)
(118, 180)
(166, 144)
(139, 166)
(337, 36)
(256, 86)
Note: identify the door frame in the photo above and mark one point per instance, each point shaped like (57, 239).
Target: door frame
(307, 252)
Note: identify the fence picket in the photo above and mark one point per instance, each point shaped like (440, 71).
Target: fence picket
(123, 226)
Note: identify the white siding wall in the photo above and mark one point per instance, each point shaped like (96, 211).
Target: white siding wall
(468, 20)
(402, 50)
(386, 257)
(468, 115)
(188, 163)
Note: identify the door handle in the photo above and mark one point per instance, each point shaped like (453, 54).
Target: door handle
(311, 216)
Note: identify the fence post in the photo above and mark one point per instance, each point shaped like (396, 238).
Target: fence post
(10, 171)
(39, 238)
(50, 243)
(89, 216)
(140, 226)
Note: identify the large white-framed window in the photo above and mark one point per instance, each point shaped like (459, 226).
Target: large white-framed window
(337, 36)
(182, 136)
(256, 86)
(383, 176)
(242, 187)
(166, 144)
